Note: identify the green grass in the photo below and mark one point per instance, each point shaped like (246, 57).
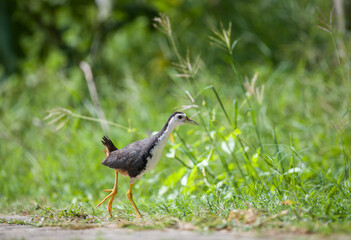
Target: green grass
(272, 156)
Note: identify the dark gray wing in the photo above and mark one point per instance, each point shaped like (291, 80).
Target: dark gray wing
(132, 157)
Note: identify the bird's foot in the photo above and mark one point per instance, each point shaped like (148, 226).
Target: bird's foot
(112, 195)
(138, 215)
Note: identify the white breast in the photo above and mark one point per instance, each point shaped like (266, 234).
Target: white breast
(156, 154)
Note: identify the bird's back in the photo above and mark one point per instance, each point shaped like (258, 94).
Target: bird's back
(133, 157)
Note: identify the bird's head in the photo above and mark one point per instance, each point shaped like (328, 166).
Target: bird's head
(179, 118)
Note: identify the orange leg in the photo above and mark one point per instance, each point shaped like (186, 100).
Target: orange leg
(112, 195)
(130, 197)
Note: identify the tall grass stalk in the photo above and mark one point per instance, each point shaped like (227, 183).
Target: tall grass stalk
(61, 116)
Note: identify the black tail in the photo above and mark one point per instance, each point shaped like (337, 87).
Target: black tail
(108, 144)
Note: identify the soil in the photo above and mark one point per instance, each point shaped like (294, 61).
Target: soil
(109, 231)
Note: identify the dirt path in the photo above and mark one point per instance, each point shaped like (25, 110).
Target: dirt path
(52, 233)
(13, 231)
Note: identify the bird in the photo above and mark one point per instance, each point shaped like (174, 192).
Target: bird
(138, 158)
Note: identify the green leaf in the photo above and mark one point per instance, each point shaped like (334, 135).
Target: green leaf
(173, 178)
(234, 44)
(237, 132)
(255, 157)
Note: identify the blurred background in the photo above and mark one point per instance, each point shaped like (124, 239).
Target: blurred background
(282, 85)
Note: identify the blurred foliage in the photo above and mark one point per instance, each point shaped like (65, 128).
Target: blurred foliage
(274, 106)
(268, 30)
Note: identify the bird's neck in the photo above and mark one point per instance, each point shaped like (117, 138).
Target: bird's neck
(166, 132)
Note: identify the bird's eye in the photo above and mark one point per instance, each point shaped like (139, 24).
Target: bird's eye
(180, 117)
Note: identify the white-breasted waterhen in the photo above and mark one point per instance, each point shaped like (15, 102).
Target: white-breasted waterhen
(139, 157)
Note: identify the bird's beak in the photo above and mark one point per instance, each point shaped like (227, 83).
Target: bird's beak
(188, 120)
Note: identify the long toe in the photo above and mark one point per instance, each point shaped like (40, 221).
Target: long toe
(110, 203)
(112, 193)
